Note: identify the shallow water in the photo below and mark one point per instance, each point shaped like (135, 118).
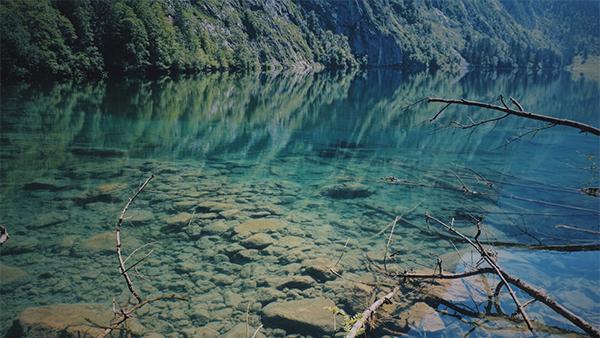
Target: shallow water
(273, 147)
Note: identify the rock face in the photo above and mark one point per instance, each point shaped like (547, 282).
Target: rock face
(347, 190)
(66, 320)
(307, 316)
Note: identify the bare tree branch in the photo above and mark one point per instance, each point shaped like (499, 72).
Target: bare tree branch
(584, 128)
(492, 262)
(118, 239)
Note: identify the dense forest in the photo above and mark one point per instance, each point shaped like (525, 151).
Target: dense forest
(90, 39)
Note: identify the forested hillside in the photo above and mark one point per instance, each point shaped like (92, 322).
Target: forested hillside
(85, 38)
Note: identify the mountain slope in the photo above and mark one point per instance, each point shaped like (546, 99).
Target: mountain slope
(86, 38)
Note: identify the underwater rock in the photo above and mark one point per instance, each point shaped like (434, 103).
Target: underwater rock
(140, 217)
(295, 282)
(318, 268)
(347, 190)
(202, 332)
(18, 245)
(211, 206)
(210, 215)
(194, 231)
(268, 295)
(229, 214)
(423, 317)
(153, 335)
(471, 289)
(240, 331)
(105, 243)
(66, 320)
(104, 193)
(260, 225)
(45, 184)
(232, 299)
(258, 241)
(178, 220)
(245, 255)
(48, 219)
(306, 316)
(186, 205)
(9, 274)
(290, 242)
(351, 295)
(216, 228)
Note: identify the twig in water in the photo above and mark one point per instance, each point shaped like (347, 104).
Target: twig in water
(388, 243)
(256, 332)
(369, 312)
(571, 227)
(341, 255)
(123, 314)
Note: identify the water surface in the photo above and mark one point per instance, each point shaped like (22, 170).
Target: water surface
(273, 147)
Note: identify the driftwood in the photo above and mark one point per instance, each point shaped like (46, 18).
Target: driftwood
(123, 314)
(506, 279)
(584, 128)
(369, 312)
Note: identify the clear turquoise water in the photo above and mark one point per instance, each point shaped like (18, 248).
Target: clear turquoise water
(268, 146)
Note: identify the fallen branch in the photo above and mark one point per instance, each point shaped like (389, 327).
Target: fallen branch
(369, 312)
(506, 279)
(123, 314)
(492, 262)
(584, 128)
(537, 294)
(118, 239)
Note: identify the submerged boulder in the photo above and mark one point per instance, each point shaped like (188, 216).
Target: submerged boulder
(49, 219)
(66, 320)
(423, 317)
(258, 241)
(320, 268)
(104, 193)
(105, 243)
(260, 225)
(347, 190)
(9, 274)
(306, 316)
(241, 330)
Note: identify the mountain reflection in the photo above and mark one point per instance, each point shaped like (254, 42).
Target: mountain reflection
(262, 115)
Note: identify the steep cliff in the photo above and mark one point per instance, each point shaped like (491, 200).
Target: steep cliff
(87, 38)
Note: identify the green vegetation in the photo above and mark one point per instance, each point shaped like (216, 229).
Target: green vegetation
(93, 38)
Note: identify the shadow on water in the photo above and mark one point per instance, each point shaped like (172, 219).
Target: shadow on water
(283, 140)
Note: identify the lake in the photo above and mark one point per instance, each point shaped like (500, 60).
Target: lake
(262, 180)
